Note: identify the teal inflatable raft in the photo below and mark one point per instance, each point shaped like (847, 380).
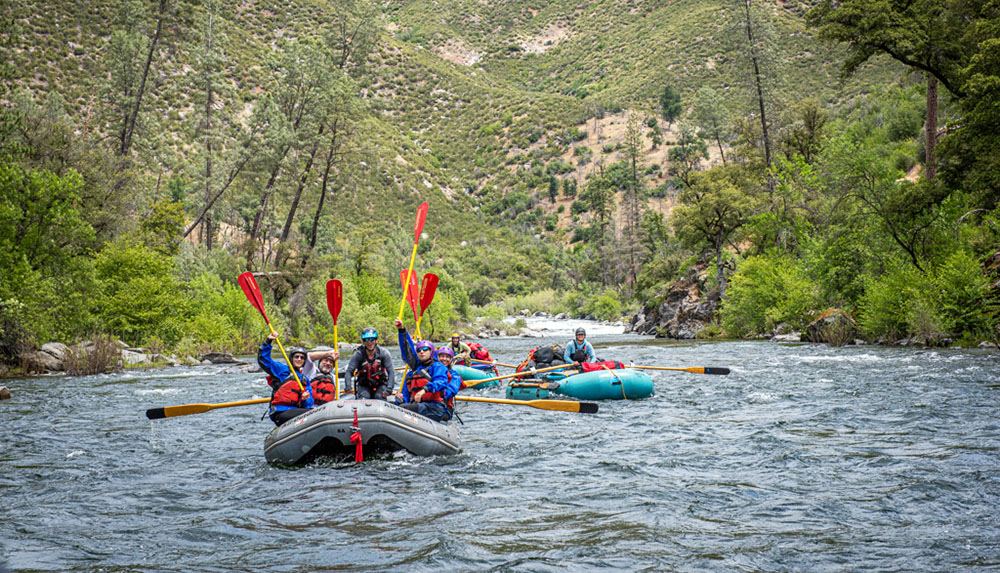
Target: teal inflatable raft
(471, 375)
(618, 384)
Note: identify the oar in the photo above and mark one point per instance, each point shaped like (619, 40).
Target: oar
(427, 290)
(493, 362)
(252, 291)
(558, 405)
(334, 301)
(187, 409)
(693, 369)
(516, 374)
(410, 291)
(417, 228)
(542, 385)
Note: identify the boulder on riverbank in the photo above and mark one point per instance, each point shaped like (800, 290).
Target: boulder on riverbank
(834, 327)
(682, 312)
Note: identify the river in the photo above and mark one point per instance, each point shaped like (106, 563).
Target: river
(805, 458)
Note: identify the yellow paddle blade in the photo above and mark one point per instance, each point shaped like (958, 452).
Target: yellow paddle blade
(557, 405)
(188, 409)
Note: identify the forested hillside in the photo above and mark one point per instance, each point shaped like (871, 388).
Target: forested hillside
(577, 156)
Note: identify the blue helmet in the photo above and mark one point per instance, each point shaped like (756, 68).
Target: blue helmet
(369, 334)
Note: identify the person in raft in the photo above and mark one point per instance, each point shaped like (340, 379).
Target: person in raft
(446, 356)
(289, 397)
(323, 383)
(461, 350)
(429, 387)
(579, 349)
(373, 365)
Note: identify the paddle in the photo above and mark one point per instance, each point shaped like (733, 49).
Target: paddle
(427, 290)
(187, 409)
(493, 362)
(417, 228)
(543, 385)
(693, 369)
(252, 291)
(410, 291)
(334, 301)
(516, 374)
(558, 405)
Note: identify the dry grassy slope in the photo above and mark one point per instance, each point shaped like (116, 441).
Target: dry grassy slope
(475, 63)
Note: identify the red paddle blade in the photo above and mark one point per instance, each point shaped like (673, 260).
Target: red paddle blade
(410, 290)
(427, 291)
(421, 219)
(252, 292)
(334, 297)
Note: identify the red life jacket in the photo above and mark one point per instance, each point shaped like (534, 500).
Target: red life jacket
(289, 394)
(419, 380)
(323, 389)
(372, 374)
(479, 351)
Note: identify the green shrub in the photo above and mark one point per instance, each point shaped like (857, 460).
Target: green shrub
(605, 306)
(960, 294)
(765, 291)
(139, 298)
(888, 303)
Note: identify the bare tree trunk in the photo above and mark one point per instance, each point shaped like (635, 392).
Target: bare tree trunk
(287, 229)
(126, 142)
(331, 154)
(930, 161)
(760, 89)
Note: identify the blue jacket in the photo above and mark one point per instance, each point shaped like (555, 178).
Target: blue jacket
(280, 371)
(437, 372)
(572, 347)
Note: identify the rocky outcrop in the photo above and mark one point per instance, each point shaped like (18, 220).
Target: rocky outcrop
(834, 327)
(681, 313)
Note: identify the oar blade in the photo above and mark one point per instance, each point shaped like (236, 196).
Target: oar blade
(427, 290)
(252, 292)
(564, 406)
(334, 298)
(188, 409)
(716, 370)
(419, 223)
(156, 413)
(409, 281)
(172, 411)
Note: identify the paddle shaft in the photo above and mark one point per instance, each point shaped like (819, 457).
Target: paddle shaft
(493, 362)
(253, 294)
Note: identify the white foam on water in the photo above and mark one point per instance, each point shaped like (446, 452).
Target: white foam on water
(566, 327)
(160, 391)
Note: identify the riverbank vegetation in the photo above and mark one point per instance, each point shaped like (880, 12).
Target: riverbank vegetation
(577, 161)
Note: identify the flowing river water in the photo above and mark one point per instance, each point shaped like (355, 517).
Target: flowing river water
(805, 458)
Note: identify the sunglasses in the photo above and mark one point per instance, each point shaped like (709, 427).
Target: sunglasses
(424, 349)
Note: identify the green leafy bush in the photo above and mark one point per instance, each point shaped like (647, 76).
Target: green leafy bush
(139, 298)
(887, 306)
(765, 291)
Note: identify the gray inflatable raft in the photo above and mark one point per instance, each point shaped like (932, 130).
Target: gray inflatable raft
(385, 427)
